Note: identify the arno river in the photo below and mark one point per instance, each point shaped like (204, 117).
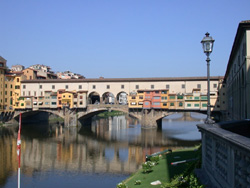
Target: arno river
(100, 155)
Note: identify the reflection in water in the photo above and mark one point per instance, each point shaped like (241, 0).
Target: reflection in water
(99, 155)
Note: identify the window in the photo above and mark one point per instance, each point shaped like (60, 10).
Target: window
(41, 93)
(196, 98)
(157, 103)
(66, 87)
(188, 105)
(53, 103)
(179, 97)
(167, 86)
(108, 86)
(203, 97)
(133, 97)
(180, 104)
(23, 93)
(40, 86)
(34, 93)
(140, 97)
(164, 104)
(171, 104)
(11, 86)
(204, 105)
(93, 87)
(81, 97)
(53, 87)
(183, 86)
(146, 103)
(171, 97)
(215, 85)
(137, 87)
(152, 86)
(10, 93)
(122, 86)
(196, 105)
(17, 79)
(199, 86)
(163, 92)
(24, 86)
(80, 86)
(156, 97)
(29, 93)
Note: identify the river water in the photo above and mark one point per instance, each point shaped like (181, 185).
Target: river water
(99, 155)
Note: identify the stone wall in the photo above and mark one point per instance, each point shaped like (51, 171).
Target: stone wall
(225, 157)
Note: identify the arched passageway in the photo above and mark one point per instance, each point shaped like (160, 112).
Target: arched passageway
(94, 98)
(108, 98)
(122, 98)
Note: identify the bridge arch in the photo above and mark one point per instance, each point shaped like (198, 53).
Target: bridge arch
(28, 113)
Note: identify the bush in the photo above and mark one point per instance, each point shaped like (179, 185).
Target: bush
(122, 185)
(138, 182)
(155, 159)
(147, 167)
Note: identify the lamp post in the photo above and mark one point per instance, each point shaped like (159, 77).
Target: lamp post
(207, 44)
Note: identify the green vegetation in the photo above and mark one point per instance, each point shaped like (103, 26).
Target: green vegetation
(56, 119)
(172, 170)
(112, 113)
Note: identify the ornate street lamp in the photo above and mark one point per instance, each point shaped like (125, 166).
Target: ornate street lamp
(207, 44)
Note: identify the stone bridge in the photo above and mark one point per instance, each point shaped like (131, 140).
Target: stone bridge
(149, 118)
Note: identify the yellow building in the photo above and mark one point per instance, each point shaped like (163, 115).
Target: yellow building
(180, 103)
(18, 77)
(9, 90)
(164, 99)
(136, 99)
(172, 100)
(68, 99)
(2, 82)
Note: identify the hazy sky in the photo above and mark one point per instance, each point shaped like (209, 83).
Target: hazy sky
(120, 38)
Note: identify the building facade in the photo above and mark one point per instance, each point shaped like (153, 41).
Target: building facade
(2, 82)
(158, 93)
(237, 76)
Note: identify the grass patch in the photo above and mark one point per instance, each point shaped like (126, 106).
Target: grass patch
(170, 168)
(112, 113)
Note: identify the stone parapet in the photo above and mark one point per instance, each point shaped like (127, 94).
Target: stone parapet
(225, 157)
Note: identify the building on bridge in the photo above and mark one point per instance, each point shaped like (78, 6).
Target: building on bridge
(158, 93)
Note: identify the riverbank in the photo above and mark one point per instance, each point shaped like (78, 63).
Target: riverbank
(173, 169)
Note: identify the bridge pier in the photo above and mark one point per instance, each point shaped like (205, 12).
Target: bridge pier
(148, 120)
(70, 118)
